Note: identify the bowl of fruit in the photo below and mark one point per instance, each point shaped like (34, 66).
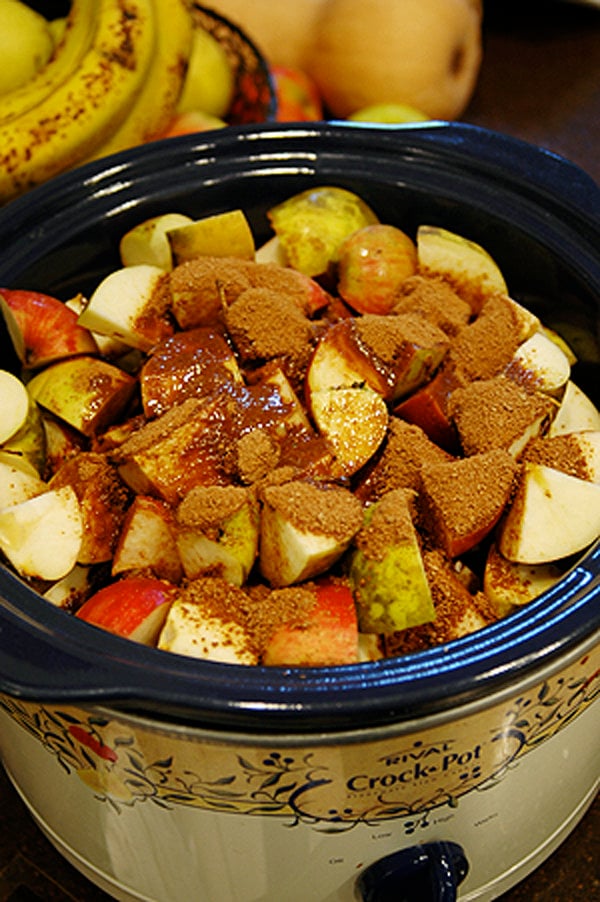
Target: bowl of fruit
(300, 500)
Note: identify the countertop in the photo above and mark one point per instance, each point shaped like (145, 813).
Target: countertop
(540, 81)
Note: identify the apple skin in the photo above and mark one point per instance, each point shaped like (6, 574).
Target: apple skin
(329, 637)
(373, 263)
(49, 329)
(191, 122)
(298, 99)
(134, 608)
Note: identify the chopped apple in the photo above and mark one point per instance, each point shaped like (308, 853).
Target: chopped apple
(61, 442)
(222, 235)
(147, 242)
(107, 345)
(147, 541)
(304, 529)
(19, 480)
(14, 405)
(188, 364)
(509, 585)
(134, 607)
(354, 423)
(102, 498)
(552, 516)
(48, 330)
(42, 536)
(577, 453)
(29, 440)
(576, 412)
(85, 392)
(373, 263)
(312, 225)
(542, 364)
(428, 408)
(131, 304)
(386, 569)
(217, 532)
(324, 632)
(472, 272)
(462, 500)
(72, 590)
(271, 252)
(207, 621)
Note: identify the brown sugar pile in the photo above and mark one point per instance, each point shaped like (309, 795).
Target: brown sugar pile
(206, 508)
(463, 499)
(435, 300)
(561, 452)
(390, 524)
(326, 510)
(496, 413)
(485, 347)
(201, 288)
(392, 337)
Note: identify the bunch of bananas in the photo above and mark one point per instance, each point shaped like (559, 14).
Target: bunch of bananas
(113, 82)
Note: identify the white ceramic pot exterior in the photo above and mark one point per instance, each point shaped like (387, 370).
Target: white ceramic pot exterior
(159, 812)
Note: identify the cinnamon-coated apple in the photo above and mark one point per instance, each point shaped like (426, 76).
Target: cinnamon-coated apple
(540, 361)
(147, 541)
(373, 262)
(312, 225)
(508, 585)
(354, 422)
(131, 305)
(326, 633)
(47, 329)
(134, 607)
(425, 53)
(386, 569)
(85, 392)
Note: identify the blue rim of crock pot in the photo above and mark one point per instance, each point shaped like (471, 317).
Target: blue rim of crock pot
(47, 655)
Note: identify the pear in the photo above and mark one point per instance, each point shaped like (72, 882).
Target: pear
(386, 569)
(312, 225)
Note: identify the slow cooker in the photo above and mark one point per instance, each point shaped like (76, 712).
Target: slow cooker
(443, 774)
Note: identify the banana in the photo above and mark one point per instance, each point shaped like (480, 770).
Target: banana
(81, 114)
(68, 53)
(157, 101)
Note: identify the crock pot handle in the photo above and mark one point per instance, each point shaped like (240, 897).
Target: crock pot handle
(430, 872)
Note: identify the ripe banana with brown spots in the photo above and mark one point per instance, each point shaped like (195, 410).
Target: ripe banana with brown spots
(156, 103)
(81, 114)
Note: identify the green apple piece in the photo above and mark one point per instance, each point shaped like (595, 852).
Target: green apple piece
(130, 305)
(222, 235)
(85, 392)
(312, 225)
(296, 543)
(147, 242)
(72, 590)
(354, 423)
(217, 532)
(29, 442)
(541, 362)
(470, 269)
(14, 405)
(41, 537)
(386, 569)
(576, 413)
(204, 622)
(508, 585)
(19, 480)
(552, 516)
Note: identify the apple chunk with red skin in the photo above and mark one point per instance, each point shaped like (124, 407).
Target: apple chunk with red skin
(324, 631)
(134, 607)
(373, 263)
(462, 500)
(48, 330)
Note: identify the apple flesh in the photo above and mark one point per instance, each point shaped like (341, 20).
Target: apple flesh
(134, 607)
(325, 634)
(354, 423)
(552, 516)
(541, 363)
(85, 392)
(576, 412)
(373, 263)
(147, 541)
(48, 330)
(312, 225)
(42, 536)
(222, 235)
(386, 569)
(19, 480)
(471, 271)
(131, 305)
(509, 585)
(147, 242)
(14, 405)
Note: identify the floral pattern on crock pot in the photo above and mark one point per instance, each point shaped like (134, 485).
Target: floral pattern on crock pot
(405, 776)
